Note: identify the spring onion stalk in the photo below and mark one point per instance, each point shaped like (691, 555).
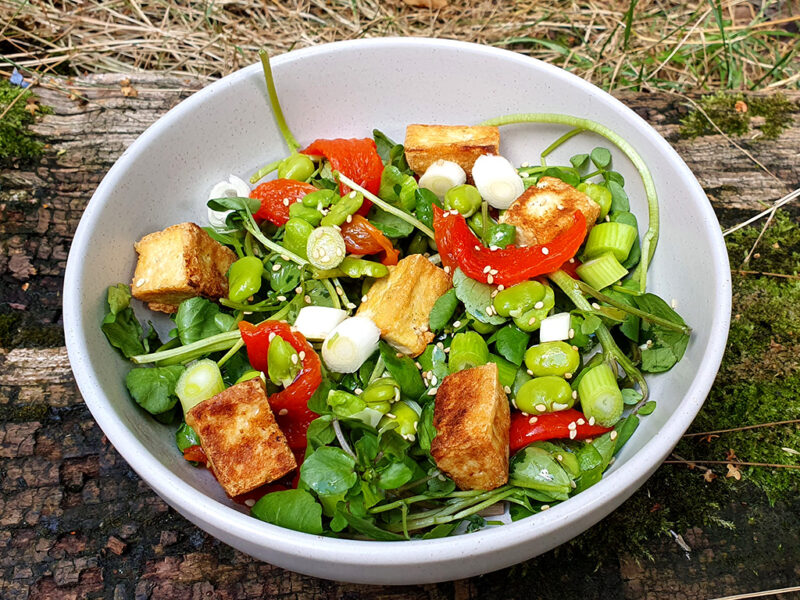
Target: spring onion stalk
(555, 328)
(632, 310)
(613, 237)
(497, 180)
(467, 350)
(275, 104)
(610, 349)
(441, 176)
(377, 372)
(350, 344)
(601, 271)
(485, 223)
(317, 322)
(600, 395)
(265, 170)
(184, 354)
(385, 205)
(233, 187)
(199, 382)
(650, 239)
(325, 248)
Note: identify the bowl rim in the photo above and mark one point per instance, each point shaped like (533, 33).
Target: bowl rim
(212, 515)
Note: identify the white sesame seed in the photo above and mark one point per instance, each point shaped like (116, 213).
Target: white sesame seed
(487, 268)
(494, 248)
(416, 426)
(456, 324)
(595, 306)
(271, 337)
(440, 345)
(573, 434)
(432, 391)
(567, 375)
(545, 506)
(411, 437)
(533, 420)
(286, 202)
(539, 305)
(507, 389)
(490, 279)
(141, 282)
(545, 251)
(572, 260)
(612, 436)
(358, 391)
(575, 348)
(494, 293)
(349, 218)
(530, 372)
(477, 247)
(364, 298)
(307, 299)
(524, 414)
(352, 194)
(294, 359)
(250, 502)
(581, 422)
(276, 268)
(434, 380)
(541, 407)
(591, 420)
(447, 270)
(302, 355)
(390, 416)
(298, 289)
(284, 257)
(416, 364)
(501, 287)
(559, 457)
(558, 406)
(571, 333)
(399, 354)
(572, 426)
(608, 218)
(494, 271)
(514, 402)
(574, 394)
(283, 412)
(674, 303)
(560, 207)
(281, 298)
(447, 350)
(339, 291)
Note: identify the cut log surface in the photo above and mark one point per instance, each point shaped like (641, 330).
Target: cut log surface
(76, 521)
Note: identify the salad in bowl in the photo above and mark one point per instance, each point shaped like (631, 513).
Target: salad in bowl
(386, 340)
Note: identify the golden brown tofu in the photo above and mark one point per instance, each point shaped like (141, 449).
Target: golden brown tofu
(472, 419)
(180, 262)
(425, 144)
(544, 210)
(243, 443)
(400, 304)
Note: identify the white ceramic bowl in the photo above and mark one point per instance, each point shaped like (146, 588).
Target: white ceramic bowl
(345, 90)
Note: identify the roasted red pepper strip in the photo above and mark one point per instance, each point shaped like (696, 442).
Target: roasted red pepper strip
(362, 237)
(459, 247)
(291, 404)
(195, 454)
(277, 196)
(358, 159)
(550, 426)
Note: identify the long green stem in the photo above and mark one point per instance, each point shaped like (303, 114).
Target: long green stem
(610, 349)
(265, 170)
(332, 293)
(234, 349)
(385, 205)
(570, 134)
(251, 226)
(275, 104)
(215, 343)
(650, 239)
(645, 316)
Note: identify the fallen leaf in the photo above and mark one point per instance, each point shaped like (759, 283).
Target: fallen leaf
(32, 108)
(733, 471)
(709, 437)
(731, 455)
(433, 4)
(740, 106)
(709, 475)
(129, 91)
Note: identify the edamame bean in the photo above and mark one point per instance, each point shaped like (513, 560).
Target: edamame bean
(531, 319)
(514, 301)
(544, 395)
(345, 207)
(248, 375)
(295, 239)
(598, 193)
(244, 278)
(358, 267)
(296, 166)
(381, 390)
(283, 362)
(320, 199)
(464, 198)
(405, 417)
(467, 350)
(301, 211)
(552, 358)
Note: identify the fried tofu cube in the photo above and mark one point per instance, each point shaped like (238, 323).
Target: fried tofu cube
(472, 420)
(545, 210)
(400, 304)
(180, 262)
(243, 443)
(425, 144)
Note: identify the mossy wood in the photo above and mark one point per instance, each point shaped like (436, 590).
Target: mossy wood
(76, 522)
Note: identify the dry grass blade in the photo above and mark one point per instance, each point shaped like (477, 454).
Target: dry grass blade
(617, 44)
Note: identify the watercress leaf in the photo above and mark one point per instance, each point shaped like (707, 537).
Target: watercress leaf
(506, 370)
(619, 199)
(366, 526)
(443, 310)
(579, 160)
(286, 278)
(630, 396)
(601, 157)
(474, 523)
(441, 485)
(383, 144)
(647, 408)
(518, 512)
(320, 432)
(338, 523)
(119, 298)
(425, 429)
(476, 296)
(605, 447)
(153, 388)
(292, 509)
(394, 475)
(434, 359)
(625, 429)
(426, 199)
(502, 235)
(630, 325)
(318, 402)
(536, 469)
(124, 332)
(186, 437)
(511, 343)
(628, 218)
(614, 176)
(590, 324)
(196, 319)
(404, 371)
(440, 531)
(390, 225)
(565, 174)
(228, 239)
(588, 478)
(366, 449)
(329, 471)
(391, 152)
(235, 203)
(664, 347)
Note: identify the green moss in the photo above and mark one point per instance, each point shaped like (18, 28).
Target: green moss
(22, 414)
(17, 144)
(9, 325)
(721, 108)
(777, 252)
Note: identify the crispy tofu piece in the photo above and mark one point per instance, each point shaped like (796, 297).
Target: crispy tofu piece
(425, 144)
(544, 210)
(400, 303)
(472, 419)
(180, 262)
(243, 443)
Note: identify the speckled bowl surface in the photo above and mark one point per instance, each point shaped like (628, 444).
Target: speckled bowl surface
(346, 89)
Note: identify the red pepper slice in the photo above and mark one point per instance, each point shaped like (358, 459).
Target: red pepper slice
(362, 237)
(570, 268)
(358, 159)
(277, 196)
(291, 404)
(550, 426)
(459, 247)
(195, 454)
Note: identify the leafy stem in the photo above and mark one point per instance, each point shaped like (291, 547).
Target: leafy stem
(215, 343)
(650, 238)
(385, 205)
(275, 104)
(610, 349)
